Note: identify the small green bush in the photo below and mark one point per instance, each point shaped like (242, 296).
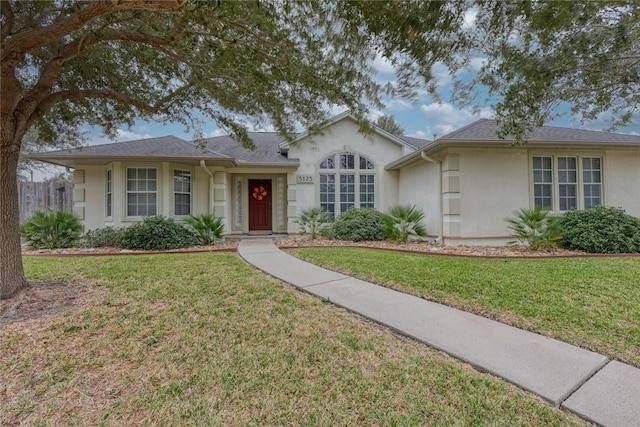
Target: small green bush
(358, 225)
(50, 229)
(313, 220)
(157, 233)
(100, 237)
(600, 230)
(402, 222)
(535, 228)
(206, 228)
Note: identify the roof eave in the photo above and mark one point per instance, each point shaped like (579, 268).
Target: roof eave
(441, 144)
(72, 161)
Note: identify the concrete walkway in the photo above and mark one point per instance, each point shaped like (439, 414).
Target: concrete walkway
(586, 383)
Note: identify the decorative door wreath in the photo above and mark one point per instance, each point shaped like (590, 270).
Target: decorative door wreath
(259, 192)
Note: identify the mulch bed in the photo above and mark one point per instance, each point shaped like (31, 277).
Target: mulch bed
(304, 241)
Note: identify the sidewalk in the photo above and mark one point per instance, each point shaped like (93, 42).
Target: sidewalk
(586, 383)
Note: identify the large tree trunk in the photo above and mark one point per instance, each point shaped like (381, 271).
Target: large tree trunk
(11, 272)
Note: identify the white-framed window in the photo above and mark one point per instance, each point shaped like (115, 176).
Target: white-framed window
(561, 183)
(181, 192)
(109, 194)
(346, 180)
(592, 181)
(142, 191)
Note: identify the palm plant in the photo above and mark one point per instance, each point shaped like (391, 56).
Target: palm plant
(313, 220)
(402, 222)
(50, 229)
(206, 228)
(535, 228)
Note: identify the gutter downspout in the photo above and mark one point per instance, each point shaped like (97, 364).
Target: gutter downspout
(211, 195)
(440, 201)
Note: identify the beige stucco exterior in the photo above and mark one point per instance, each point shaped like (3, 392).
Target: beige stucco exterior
(479, 188)
(465, 189)
(342, 137)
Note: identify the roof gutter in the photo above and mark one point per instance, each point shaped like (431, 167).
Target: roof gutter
(438, 163)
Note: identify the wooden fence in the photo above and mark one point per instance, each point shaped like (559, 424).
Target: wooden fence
(35, 196)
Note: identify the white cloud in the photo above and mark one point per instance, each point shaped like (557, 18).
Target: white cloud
(397, 104)
(470, 18)
(383, 65)
(121, 135)
(214, 133)
(374, 115)
(443, 118)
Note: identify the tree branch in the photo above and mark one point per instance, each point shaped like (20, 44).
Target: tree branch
(17, 46)
(7, 12)
(54, 67)
(76, 95)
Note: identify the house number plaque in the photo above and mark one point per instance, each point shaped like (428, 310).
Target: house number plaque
(305, 179)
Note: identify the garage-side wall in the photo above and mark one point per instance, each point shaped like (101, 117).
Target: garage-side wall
(622, 180)
(89, 196)
(419, 186)
(493, 184)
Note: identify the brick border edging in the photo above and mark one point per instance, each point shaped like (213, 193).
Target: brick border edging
(409, 251)
(167, 252)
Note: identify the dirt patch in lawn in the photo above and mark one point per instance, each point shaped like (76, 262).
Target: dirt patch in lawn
(47, 298)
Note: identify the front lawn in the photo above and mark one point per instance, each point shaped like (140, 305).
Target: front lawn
(589, 302)
(204, 339)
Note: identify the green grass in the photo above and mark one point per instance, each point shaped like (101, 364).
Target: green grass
(204, 339)
(589, 302)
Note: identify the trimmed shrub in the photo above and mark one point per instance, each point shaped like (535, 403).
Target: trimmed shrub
(157, 233)
(313, 220)
(358, 225)
(205, 227)
(107, 236)
(604, 230)
(402, 222)
(535, 228)
(50, 229)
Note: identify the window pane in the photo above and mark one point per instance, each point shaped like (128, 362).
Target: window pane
(567, 188)
(328, 163)
(365, 164)
(347, 161)
(141, 191)
(367, 191)
(592, 181)
(543, 181)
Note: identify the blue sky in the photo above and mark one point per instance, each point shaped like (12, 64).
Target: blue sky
(422, 118)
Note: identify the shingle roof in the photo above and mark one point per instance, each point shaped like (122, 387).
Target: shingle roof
(267, 148)
(416, 142)
(486, 130)
(164, 146)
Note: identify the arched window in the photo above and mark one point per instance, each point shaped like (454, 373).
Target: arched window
(346, 180)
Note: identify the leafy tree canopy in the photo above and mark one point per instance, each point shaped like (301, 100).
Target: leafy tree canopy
(68, 63)
(388, 123)
(541, 54)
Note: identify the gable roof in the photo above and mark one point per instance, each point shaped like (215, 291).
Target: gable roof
(222, 149)
(486, 130)
(267, 148)
(483, 133)
(400, 140)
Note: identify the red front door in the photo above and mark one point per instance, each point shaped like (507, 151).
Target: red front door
(260, 205)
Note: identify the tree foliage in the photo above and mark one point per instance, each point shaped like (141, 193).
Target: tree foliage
(538, 55)
(66, 63)
(389, 124)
